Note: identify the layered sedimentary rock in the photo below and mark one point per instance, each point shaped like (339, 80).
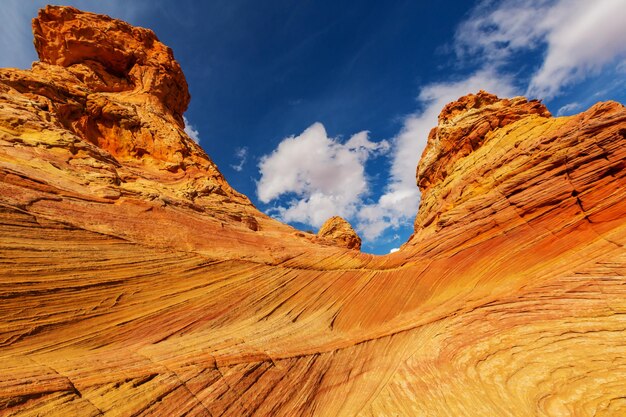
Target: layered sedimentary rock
(135, 281)
(340, 233)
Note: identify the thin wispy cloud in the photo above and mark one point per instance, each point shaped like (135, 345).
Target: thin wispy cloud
(241, 154)
(569, 109)
(580, 38)
(191, 131)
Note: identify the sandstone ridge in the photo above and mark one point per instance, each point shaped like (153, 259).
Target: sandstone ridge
(135, 281)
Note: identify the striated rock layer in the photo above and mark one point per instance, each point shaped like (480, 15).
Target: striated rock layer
(135, 281)
(340, 233)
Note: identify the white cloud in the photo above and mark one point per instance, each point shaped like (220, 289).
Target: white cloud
(568, 108)
(326, 176)
(318, 207)
(241, 154)
(583, 37)
(580, 37)
(398, 205)
(191, 131)
(494, 32)
(393, 250)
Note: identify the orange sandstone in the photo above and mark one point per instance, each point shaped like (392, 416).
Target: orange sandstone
(339, 231)
(135, 281)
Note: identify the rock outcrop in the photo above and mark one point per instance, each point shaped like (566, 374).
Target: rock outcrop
(463, 127)
(340, 233)
(109, 56)
(104, 109)
(523, 167)
(135, 281)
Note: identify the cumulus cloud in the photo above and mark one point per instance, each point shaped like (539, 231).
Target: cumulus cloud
(325, 176)
(392, 250)
(398, 205)
(191, 131)
(580, 37)
(241, 154)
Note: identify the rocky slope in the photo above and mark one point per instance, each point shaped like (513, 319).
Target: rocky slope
(135, 281)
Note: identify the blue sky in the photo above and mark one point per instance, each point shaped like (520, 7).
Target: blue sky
(317, 108)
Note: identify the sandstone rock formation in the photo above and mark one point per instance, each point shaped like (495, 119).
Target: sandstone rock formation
(340, 233)
(135, 281)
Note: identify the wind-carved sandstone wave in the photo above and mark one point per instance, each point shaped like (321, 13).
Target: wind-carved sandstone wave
(135, 281)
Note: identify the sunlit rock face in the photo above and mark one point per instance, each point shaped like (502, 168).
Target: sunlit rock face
(340, 233)
(109, 56)
(136, 281)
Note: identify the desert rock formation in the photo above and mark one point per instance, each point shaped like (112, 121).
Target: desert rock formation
(340, 233)
(135, 281)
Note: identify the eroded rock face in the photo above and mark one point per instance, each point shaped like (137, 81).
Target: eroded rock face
(340, 232)
(522, 165)
(105, 104)
(463, 127)
(109, 55)
(130, 82)
(135, 281)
